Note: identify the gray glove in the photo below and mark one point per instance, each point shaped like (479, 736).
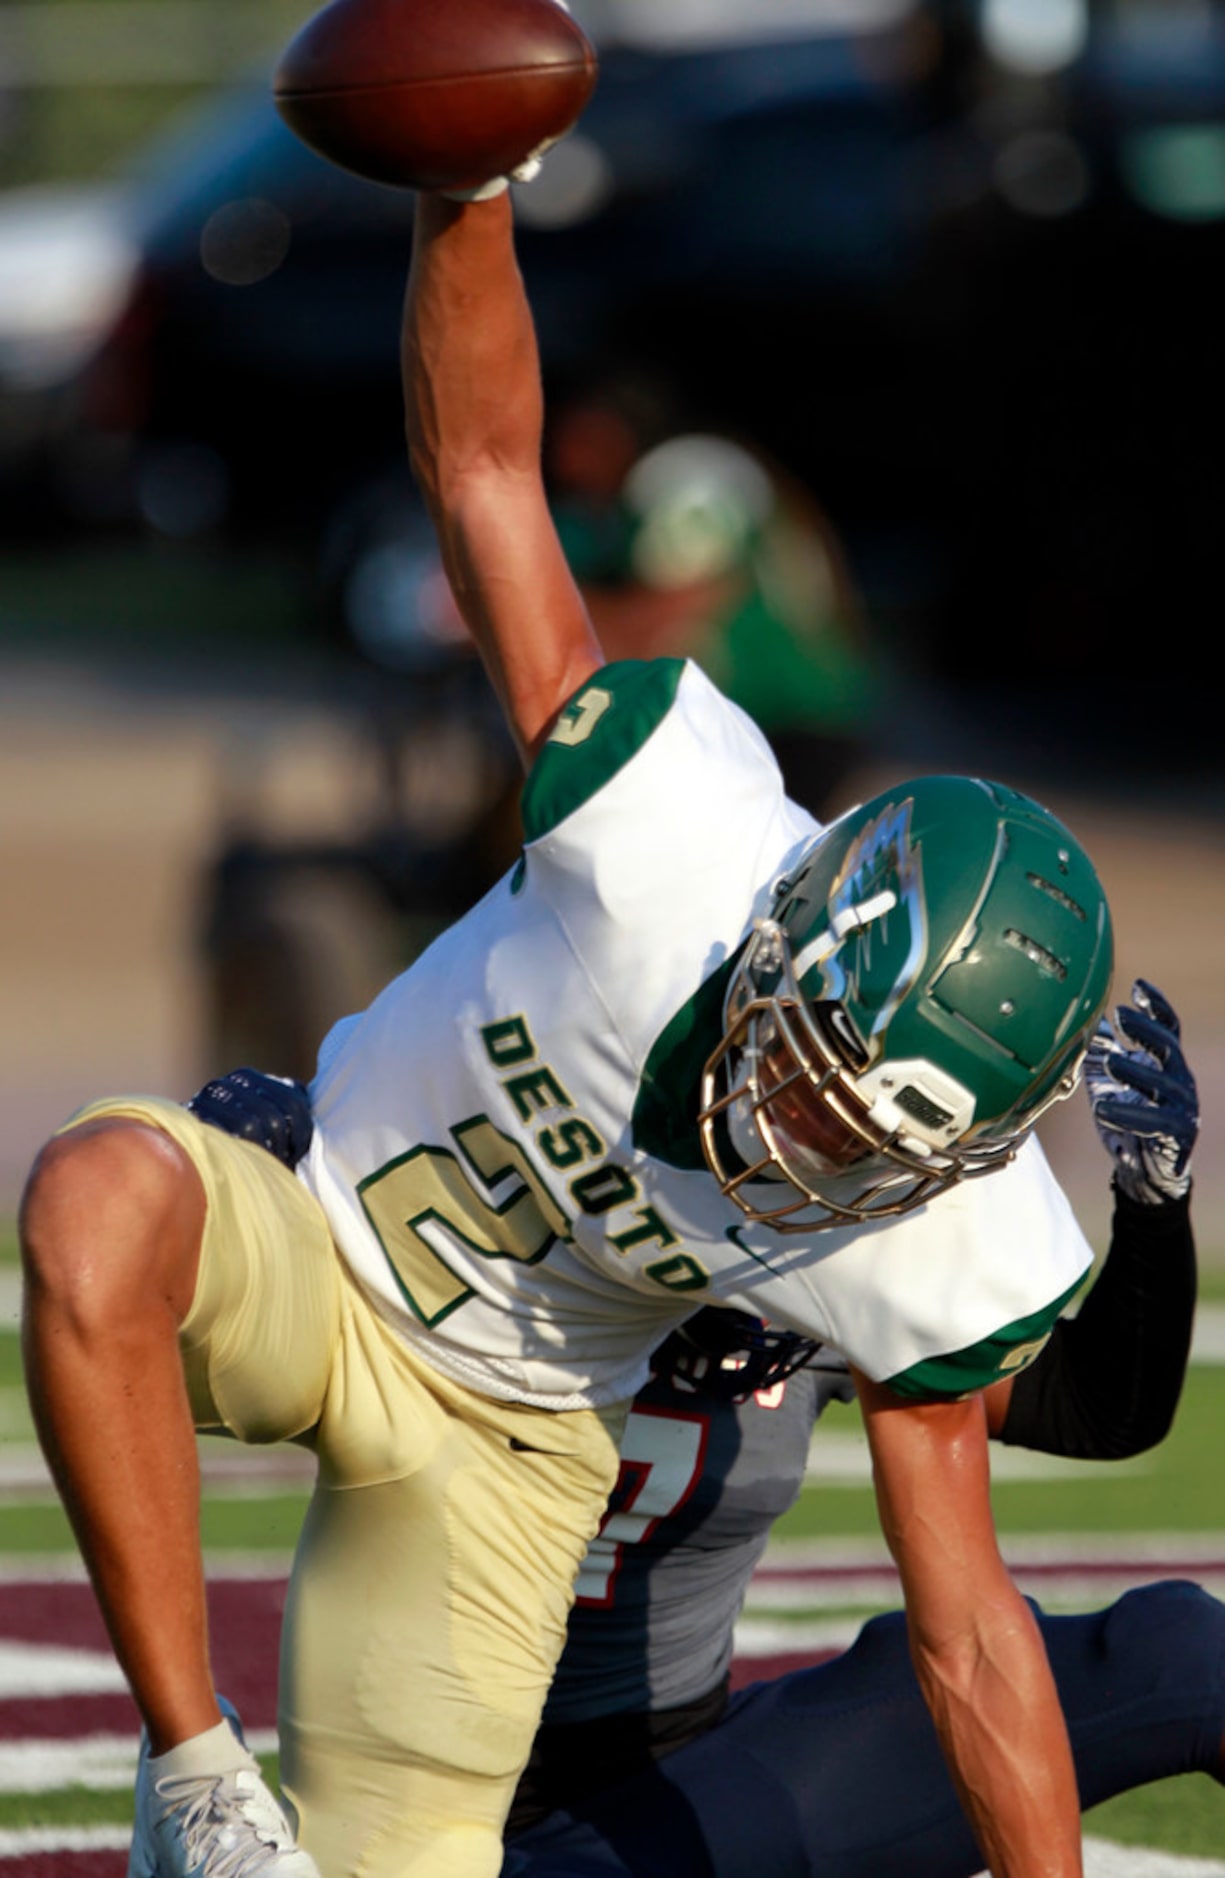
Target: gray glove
(1143, 1098)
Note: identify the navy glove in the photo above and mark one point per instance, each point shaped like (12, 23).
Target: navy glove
(271, 1111)
(1143, 1098)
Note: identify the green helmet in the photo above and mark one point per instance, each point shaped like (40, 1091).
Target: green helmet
(924, 987)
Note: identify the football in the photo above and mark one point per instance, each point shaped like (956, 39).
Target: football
(435, 94)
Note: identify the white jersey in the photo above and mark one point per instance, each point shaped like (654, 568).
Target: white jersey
(506, 1143)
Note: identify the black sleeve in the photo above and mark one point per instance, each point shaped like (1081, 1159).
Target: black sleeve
(1107, 1384)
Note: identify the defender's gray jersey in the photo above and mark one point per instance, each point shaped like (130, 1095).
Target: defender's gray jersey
(506, 1143)
(701, 1484)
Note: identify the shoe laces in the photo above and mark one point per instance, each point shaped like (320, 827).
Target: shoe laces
(231, 1827)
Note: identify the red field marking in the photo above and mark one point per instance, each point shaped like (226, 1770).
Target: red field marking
(244, 1629)
(52, 1613)
(245, 1619)
(244, 1626)
(63, 1864)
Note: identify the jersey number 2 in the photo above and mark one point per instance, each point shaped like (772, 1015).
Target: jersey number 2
(488, 1199)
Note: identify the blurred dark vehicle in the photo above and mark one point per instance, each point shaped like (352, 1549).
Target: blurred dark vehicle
(961, 283)
(249, 381)
(69, 255)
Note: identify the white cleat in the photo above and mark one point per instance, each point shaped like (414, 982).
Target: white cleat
(212, 1826)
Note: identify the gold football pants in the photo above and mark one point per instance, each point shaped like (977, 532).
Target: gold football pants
(432, 1580)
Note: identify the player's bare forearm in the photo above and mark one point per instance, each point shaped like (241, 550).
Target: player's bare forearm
(977, 1650)
(472, 378)
(474, 416)
(998, 1717)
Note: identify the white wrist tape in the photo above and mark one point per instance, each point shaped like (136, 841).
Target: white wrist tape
(480, 192)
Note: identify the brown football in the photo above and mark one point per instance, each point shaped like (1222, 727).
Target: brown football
(434, 94)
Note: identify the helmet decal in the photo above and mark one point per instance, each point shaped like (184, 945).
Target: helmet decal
(879, 960)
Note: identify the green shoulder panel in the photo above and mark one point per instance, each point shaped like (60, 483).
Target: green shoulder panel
(961, 1372)
(665, 1118)
(605, 723)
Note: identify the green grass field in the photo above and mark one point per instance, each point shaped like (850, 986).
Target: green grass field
(1176, 1490)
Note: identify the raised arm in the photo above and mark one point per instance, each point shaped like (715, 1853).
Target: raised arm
(474, 414)
(977, 1649)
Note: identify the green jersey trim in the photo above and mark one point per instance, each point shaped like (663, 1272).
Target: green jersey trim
(665, 1119)
(603, 726)
(1004, 1353)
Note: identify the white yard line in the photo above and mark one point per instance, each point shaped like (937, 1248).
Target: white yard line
(1208, 1341)
(1103, 1860)
(870, 1553)
(41, 1669)
(840, 1459)
(760, 1636)
(227, 1468)
(67, 1568)
(102, 1763)
(24, 1841)
(1062, 1590)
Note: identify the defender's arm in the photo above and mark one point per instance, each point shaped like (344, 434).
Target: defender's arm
(1108, 1382)
(474, 413)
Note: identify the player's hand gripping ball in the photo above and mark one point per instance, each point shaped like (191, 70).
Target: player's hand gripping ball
(435, 94)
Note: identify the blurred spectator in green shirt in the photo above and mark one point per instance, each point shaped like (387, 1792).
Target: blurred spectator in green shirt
(696, 545)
